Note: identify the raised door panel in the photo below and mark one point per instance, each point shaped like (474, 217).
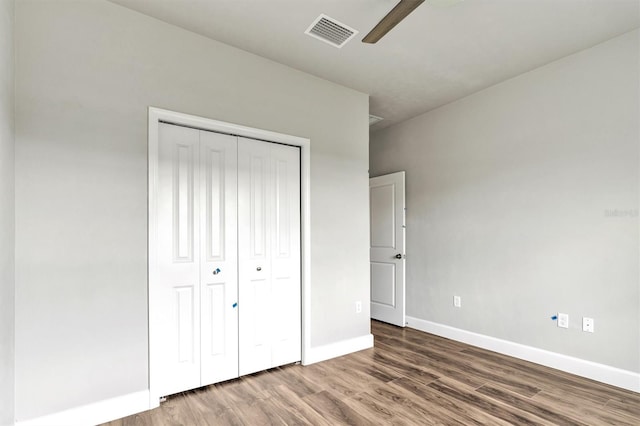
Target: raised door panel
(285, 252)
(176, 310)
(383, 284)
(254, 272)
(382, 199)
(219, 257)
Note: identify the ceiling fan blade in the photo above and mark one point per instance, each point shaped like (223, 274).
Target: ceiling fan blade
(393, 18)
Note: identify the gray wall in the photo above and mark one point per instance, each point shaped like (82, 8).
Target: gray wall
(511, 197)
(7, 209)
(86, 73)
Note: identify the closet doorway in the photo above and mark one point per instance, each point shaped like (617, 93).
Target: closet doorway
(227, 251)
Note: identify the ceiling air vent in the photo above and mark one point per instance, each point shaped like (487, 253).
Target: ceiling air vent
(330, 31)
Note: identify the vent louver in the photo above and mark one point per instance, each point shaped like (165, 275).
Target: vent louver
(331, 31)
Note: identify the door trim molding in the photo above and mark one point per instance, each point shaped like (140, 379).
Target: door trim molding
(158, 115)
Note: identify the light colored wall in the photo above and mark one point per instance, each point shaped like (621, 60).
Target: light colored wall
(86, 73)
(507, 198)
(7, 209)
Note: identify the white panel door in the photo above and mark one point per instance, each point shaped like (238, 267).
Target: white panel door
(177, 290)
(218, 257)
(269, 255)
(387, 209)
(285, 255)
(254, 275)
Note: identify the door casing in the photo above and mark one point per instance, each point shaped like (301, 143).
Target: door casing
(158, 115)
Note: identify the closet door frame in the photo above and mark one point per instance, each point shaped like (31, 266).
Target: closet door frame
(157, 116)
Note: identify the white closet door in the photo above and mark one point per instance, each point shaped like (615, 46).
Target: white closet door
(269, 255)
(176, 312)
(285, 255)
(254, 272)
(219, 257)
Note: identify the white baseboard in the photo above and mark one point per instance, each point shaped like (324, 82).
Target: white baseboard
(580, 367)
(334, 350)
(94, 413)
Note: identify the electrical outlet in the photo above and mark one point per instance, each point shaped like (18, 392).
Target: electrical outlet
(457, 301)
(563, 320)
(358, 307)
(588, 324)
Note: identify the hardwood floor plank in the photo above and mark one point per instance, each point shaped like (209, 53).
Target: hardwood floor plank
(529, 406)
(576, 407)
(377, 410)
(297, 410)
(628, 407)
(263, 413)
(329, 380)
(513, 416)
(207, 410)
(364, 361)
(418, 366)
(414, 336)
(446, 407)
(334, 409)
(358, 376)
(229, 418)
(415, 407)
(264, 380)
(296, 382)
(473, 369)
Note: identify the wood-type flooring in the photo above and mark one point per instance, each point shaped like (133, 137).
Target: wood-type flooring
(408, 378)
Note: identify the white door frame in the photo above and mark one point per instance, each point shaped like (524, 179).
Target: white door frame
(156, 116)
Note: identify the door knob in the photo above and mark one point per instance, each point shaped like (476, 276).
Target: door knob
(398, 256)
(258, 269)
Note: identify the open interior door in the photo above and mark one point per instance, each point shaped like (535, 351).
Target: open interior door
(387, 210)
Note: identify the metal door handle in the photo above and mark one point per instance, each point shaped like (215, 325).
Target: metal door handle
(258, 269)
(398, 256)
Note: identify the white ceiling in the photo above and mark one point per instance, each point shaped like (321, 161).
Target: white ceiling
(435, 56)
